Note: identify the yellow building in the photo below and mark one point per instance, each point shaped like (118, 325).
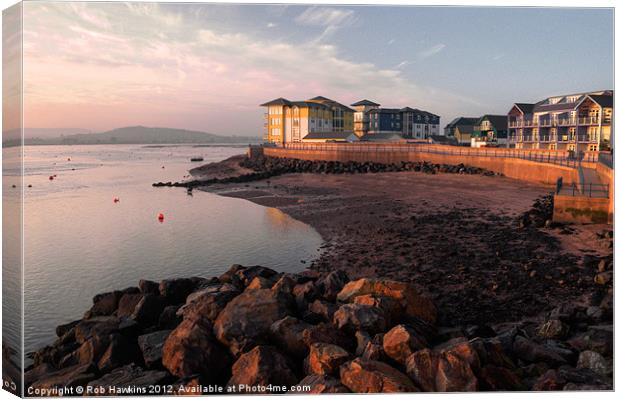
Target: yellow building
(290, 121)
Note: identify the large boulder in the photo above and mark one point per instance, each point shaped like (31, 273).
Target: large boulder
(532, 352)
(353, 317)
(246, 275)
(401, 341)
(288, 334)
(595, 362)
(325, 359)
(148, 310)
(422, 368)
(152, 345)
(119, 352)
(330, 285)
(176, 290)
(454, 374)
(127, 378)
(313, 384)
(414, 303)
(326, 333)
(392, 309)
(261, 367)
(321, 310)
(245, 321)
(127, 304)
(97, 326)
(368, 376)
(104, 304)
(192, 349)
(208, 302)
(304, 294)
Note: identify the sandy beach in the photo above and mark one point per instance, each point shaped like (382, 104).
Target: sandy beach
(455, 235)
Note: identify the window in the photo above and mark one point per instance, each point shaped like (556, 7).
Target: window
(275, 131)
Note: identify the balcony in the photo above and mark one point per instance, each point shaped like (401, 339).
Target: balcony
(590, 120)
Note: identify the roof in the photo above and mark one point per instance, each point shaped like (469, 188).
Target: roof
(602, 100)
(277, 101)
(327, 101)
(499, 122)
(329, 135)
(320, 98)
(381, 137)
(525, 107)
(465, 128)
(364, 102)
(462, 120)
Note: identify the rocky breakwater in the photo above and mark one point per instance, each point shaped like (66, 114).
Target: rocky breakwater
(264, 167)
(253, 330)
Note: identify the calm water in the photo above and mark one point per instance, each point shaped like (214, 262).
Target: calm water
(78, 242)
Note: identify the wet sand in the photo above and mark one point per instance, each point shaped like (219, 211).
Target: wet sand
(454, 235)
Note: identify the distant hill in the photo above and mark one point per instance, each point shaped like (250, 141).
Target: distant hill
(140, 135)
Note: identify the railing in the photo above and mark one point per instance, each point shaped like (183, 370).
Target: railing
(587, 190)
(556, 157)
(590, 120)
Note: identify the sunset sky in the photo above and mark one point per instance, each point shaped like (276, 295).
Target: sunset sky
(100, 66)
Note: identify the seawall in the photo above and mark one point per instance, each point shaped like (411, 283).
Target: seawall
(512, 163)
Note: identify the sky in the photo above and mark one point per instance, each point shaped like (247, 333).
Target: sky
(207, 67)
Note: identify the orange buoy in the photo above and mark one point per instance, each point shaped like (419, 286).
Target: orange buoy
(68, 159)
(160, 217)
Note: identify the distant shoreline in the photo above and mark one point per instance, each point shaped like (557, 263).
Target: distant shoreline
(147, 145)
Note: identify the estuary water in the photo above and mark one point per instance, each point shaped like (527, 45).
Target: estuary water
(79, 242)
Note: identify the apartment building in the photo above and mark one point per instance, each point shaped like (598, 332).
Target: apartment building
(290, 121)
(575, 122)
(409, 122)
(460, 124)
(490, 130)
(360, 117)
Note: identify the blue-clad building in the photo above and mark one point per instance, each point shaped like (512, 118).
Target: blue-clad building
(411, 123)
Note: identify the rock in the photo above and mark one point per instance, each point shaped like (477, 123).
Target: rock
(246, 275)
(127, 304)
(259, 282)
(330, 285)
(231, 277)
(454, 374)
(89, 352)
(320, 310)
(129, 377)
(98, 326)
(176, 290)
(75, 376)
(595, 362)
(148, 287)
(374, 349)
(354, 317)
(414, 303)
(262, 366)
(149, 308)
(65, 328)
(208, 302)
(191, 349)
(533, 352)
(320, 384)
(392, 309)
(422, 368)
(104, 304)
(401, 341)
(168, 319)
(362, 339)
(368, 376)
(550, 381)
(288, 334)
(326, 333)
(494, 378)
(120, 351)
(284, 286)
(553, 328)
(246, 320)
(325, 359)
(603, 278)
(152, 346)
(304, 294)
(479, 331)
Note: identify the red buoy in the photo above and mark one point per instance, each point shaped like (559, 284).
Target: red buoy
(51, 177)
(160, 216)
(116, 199)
